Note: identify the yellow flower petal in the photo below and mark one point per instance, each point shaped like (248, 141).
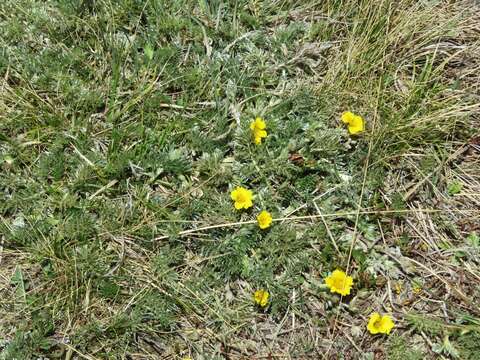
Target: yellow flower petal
(261, 133)
(356, 125)
(242, 198)
(258, 130)
(261, 297)
(258, 135)
(339, 282)
(347, 117)
(238, 205)
(387, 324)
(380, 324)
(234, 194)
(264, 219)
(259, 123)
(374, 323)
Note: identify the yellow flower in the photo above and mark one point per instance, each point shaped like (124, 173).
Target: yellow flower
(398, 287)
(187, 358)
(355, 123)
(258, 130)
(417, 288)
(261, 297)
(242, 197)
(339, 282)
(380, 324)
(264, 219)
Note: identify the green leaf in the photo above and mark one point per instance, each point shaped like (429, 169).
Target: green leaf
(454, 188)
(108, 289)
(148, 50)
(18, 280)
(473, 239)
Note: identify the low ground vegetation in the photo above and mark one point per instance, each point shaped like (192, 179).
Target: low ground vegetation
(126, 125)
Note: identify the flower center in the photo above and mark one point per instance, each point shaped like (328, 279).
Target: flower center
(377, 324)
(339, 283)
(241, 197)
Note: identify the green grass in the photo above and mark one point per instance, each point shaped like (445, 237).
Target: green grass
(124, 123)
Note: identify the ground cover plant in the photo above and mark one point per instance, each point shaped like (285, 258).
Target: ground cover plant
(239, 179)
